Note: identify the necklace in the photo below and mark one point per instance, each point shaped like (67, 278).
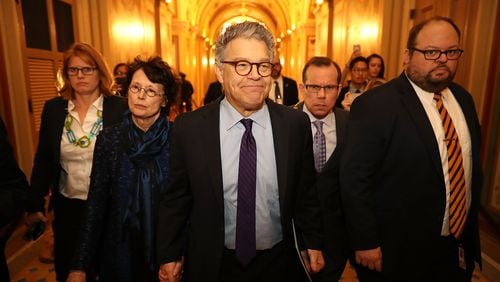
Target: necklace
(85, 140)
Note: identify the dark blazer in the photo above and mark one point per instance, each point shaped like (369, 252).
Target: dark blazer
(291, 92)
(328, 188)
(13, 188)
(13, 184)
(103, 231)
(213, 93)
(343, 91)
(47, 168)
(392, 182)
(194, 204)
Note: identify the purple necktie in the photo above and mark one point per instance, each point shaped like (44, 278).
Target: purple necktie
(319, 146)
(245, 214)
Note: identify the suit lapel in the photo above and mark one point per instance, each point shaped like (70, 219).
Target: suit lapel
(281, 144)
(417, 113)
(212, 150)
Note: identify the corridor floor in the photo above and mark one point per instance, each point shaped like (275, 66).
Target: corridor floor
(24, 264)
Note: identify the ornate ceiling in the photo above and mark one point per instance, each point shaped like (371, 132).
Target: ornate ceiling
(209, 16)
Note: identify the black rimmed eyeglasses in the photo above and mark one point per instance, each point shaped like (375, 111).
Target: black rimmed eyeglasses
(244, 67)
(314, 88)
(434, 54)
(72, 71)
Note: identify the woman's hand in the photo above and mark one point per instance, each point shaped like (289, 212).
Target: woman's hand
(346, 103)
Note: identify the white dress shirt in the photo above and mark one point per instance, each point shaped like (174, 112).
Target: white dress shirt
(267, 215)
(457, 116)
(76, 162)
(329, 130)
(272, 95)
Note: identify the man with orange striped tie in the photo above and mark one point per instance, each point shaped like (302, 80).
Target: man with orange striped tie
(410, 173)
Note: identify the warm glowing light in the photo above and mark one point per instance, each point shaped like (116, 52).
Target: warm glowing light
(289, 31)
(168, 1)
(212, 61)
(319, 2)
(293, 27)
(130, 30)
(369, 31)
(194, 61)
(204, 61)
(238, 19)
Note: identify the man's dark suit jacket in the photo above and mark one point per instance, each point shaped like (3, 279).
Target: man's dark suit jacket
(13, 188)
(392, 182)
(213, 93)
(47, 167)
(291, 92)
(194, 204)
(328, 187)
(13, 184)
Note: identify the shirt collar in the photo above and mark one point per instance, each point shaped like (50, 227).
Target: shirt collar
(329, 120)
(232, 117)
(427, 96)
(97, 104)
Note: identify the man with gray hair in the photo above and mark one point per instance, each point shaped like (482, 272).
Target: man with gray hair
(246, 180)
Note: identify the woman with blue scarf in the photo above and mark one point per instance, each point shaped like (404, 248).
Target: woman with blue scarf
(129, 171)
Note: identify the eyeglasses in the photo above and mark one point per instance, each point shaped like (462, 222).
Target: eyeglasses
(150, 92)
(244, 68)
(434, 54)
(314, 89)
(85, 70)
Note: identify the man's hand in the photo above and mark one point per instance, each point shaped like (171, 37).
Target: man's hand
(313, 260)
(171, 272)
(316, 260)
(76, 276)
(370, 258)
(35, 217)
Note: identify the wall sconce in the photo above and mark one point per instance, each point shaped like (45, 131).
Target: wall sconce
(131, 31)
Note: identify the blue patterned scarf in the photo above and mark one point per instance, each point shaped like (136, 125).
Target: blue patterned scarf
(143, 151)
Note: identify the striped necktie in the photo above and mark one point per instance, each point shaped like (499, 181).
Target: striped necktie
(457, 209)
(319, 146)
(245, 213)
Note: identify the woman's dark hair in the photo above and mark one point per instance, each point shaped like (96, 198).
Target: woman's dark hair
(117, 66)
(382, 65)
(158, 71)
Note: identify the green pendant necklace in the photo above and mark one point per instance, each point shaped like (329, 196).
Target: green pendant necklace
(85, 140)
